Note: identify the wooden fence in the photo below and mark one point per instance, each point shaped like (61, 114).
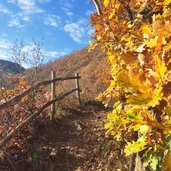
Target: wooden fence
(51, 103)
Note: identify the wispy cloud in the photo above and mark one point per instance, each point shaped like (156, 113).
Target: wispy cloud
(78, 30)
(4, 54)
(52, 20)
(74, 31)
(4, 10)
(56, 54)
(27, 6)
(66, 3)
(67, 11)
(67, 7)
(25, 17)
(15, 22)
(5, 46)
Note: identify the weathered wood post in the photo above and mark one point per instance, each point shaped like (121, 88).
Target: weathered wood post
(53, 94)
(77, 86)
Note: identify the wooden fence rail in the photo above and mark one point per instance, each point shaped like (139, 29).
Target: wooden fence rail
(51, 102)
(43, 83)
(53, 94)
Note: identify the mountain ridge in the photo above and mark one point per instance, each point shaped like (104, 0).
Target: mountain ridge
(10, 67)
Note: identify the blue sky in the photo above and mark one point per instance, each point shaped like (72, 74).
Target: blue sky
(63, 24)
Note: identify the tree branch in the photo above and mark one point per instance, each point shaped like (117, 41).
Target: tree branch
(97, 6)
(20, 96)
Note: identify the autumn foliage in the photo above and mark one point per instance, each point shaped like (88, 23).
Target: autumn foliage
(136, 35)
(11, 116)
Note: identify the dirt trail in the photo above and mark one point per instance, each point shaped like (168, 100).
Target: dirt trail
(76, 142)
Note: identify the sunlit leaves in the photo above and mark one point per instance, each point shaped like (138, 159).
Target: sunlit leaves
(136, 35)
(152, 42)
(106, 2)
(167, 2)
(135, 146)
(13, 115)
(152, 158)
(146, 29)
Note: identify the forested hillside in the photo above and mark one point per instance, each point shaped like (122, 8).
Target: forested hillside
(92, 67)
(10, 67)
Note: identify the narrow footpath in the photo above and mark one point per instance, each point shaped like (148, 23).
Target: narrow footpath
(75, 142)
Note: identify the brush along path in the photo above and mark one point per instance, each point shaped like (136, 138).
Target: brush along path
(75, 142)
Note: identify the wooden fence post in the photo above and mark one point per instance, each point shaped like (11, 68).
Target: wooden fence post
(77, 86)
(53, 94)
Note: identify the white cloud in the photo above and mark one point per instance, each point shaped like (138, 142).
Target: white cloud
(52, 20)
(26, 18)
(15, 22)
(4, 10)
(28, 6)
(78, 30)
(67, 11)
(67, 7)
(66, 3)
(5, 46)
(22, 17)
(75, 31)
(4, 54)
(55, 54)
(15, 18)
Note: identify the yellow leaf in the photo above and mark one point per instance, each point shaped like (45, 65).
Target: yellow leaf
(168, 47)
(98, 38)
(123, 80)
(144, 129)
(146, 29)
(146, 99)
(152, 42)
(163, 40)
(106, 2)
(90, 42)
(135, 146)
(117, 6)
(167, 2)
(91, 45)
(112, 14)
(160, 68)
(168, 110)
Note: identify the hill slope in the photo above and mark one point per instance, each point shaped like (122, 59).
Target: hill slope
(91, 66)
(10, 67)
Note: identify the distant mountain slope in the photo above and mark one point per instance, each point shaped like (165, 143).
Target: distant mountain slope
(10, 67)
(92, 67)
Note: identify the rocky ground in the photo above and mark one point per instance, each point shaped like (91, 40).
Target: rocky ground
(74, 142)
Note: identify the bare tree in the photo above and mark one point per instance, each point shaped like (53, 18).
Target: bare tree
(30, 56)
(19, 55)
